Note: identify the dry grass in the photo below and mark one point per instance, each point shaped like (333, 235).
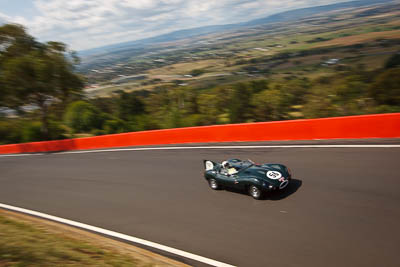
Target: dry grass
(29, 241)
(185, 68)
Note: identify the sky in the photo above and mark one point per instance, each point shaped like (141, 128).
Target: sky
(85, 24)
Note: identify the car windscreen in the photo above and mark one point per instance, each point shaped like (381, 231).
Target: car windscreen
(245, 165)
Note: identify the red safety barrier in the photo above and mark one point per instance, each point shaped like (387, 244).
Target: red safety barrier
(365, 126)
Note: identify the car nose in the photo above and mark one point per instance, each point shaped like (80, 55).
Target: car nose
(283, 184)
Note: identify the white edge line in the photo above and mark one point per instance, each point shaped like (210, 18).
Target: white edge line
(118, 235)
(224, 147)
(204, 147)
(21, 155)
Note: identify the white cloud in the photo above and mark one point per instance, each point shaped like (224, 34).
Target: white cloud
(4, 18)
(92, 23)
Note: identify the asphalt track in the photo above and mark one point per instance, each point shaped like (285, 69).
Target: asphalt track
(342, 208)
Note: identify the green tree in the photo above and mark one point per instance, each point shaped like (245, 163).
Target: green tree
(105, 104)
(239, 103)
(34, 73)
(173, 118)
(319, 103)
(259, 85)
(114, 126)
(10, 131)
(385, 89)
(14, 41)
(197, 72)
(157, 106)
(31, 132)
(208, 108)
(393, 61)
(129, 105)
(269, 105)
(81, 116)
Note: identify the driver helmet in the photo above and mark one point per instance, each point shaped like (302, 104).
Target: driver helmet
(225, 165)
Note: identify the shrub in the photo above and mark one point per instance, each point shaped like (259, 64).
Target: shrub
(386, 88)
(10, 132)
(82, 116)
(114, 126)
(56, 130)
(393, 61)
(32, 131)
(197, 72)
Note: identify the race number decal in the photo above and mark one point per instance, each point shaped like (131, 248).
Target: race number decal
(273, 175)
(209, 165)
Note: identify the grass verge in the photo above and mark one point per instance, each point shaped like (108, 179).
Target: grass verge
(28, 241)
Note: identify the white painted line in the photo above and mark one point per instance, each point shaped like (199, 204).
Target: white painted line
(224, 147)
(20, 155)
(118, 235)
(206, 147)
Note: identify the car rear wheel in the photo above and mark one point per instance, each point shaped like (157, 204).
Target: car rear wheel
(213, 184)
(255, 192)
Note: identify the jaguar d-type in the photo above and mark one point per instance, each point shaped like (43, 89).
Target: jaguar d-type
(256, 179)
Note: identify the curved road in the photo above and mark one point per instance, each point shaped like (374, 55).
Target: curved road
(342, 209)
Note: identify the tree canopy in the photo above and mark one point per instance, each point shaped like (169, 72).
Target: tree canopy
(34, 73)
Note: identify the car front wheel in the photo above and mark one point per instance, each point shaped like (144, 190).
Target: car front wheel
(255, 192)
(213, 184)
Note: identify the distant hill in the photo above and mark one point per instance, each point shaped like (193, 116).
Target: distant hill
(305, 12)
(173, 36)
(194, 32)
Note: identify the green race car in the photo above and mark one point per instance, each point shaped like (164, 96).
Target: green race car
(246, 175)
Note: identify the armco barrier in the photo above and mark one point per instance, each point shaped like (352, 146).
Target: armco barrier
(366, 126)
